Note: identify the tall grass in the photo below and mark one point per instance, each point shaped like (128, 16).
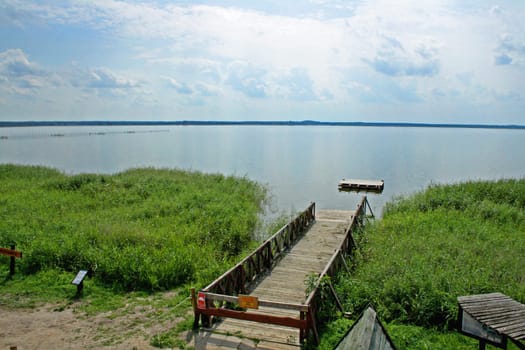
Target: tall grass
(143, 229)
(430, 248)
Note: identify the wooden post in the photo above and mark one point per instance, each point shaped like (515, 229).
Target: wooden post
(337, 300)
(482, 345)
(241, 279)
(312, 324)
(302, 332)
(343, 259)
(12, 263)
(196, 312)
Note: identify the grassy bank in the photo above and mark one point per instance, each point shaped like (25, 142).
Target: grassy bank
(430, 248)
(143, 229)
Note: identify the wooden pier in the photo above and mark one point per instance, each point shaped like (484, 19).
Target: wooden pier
(262, 302)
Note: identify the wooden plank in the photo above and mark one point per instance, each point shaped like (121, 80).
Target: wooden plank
(513, 327)
(233, 299)
(500, 316)
(475, 299)
(274, 335)
(10, 252)
(248, 316)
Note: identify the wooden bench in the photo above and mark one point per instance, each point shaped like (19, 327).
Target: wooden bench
(13, 254)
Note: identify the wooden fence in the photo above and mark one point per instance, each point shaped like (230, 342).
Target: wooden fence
(238, 278)
(237, 281)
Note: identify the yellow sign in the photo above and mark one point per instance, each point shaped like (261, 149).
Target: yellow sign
(248, 302)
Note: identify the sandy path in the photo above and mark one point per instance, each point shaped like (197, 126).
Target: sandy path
(45, 328)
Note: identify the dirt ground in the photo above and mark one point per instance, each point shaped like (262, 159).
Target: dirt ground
(49, 327)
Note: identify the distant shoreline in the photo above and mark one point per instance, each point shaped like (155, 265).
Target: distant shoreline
(4, 124)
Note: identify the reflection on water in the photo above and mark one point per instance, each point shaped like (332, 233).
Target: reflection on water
(300, 164)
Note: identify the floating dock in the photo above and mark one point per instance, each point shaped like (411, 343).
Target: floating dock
(361, 185)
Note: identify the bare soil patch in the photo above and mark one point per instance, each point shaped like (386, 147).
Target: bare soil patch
(55, 327)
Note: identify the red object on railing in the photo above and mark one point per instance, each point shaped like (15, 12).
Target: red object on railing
(201, 301)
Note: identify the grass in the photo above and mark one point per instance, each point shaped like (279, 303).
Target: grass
(430, 248)
(143, 229)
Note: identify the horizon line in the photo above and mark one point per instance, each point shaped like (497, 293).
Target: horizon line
(256, 122)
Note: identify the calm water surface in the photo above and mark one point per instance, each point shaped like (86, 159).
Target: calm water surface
(299, 164)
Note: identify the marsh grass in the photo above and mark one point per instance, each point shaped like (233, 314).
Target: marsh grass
(430, 248)
(141, 230)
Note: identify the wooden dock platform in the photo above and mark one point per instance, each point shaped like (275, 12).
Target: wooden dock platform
(285, 283)
(361, 185)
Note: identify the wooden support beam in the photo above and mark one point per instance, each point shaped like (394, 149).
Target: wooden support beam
(13, 254)
(267, 303)
(196, 312)
(337, 300)
(248, 316)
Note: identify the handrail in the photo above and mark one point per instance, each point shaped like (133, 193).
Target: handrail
(235, 280)
(344, 247)
(360, 212)
(267, 303)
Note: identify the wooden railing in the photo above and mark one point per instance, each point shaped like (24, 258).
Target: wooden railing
(237, 280)
(233, 284)
(338, 258)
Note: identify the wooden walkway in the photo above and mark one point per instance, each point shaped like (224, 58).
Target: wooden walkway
(284, 283)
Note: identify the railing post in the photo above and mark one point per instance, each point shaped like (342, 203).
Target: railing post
(269, 255)
(12, 262)
(242, 280)
(196, 313)
(302, 332)
(312, 323)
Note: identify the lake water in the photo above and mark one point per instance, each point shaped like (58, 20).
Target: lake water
(300, 164)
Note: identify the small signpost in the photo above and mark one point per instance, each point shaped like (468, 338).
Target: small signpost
(79, 281)
(13, 254)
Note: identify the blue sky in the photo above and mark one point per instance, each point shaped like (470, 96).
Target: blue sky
(418, 61)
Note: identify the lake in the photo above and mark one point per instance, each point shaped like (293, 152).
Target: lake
(300, 164)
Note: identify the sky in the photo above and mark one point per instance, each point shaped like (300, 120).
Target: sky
(447, 61)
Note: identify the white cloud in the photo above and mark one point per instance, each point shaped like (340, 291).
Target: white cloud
(15, 63)
(337, 51)
(181, 88)
(392, 59)
(101, 78)
(18, 75)
(509, 51)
